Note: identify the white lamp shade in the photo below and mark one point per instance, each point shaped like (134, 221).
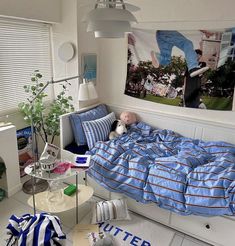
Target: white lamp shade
(92, 91)
(110, 29)
(110, 14)
(110, 19)
(87, 91)
(108, 26)
(83, 94)
(111, 34)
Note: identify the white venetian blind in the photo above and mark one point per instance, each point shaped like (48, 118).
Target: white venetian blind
(24, 47)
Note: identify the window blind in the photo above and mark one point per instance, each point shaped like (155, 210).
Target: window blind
(24, 47)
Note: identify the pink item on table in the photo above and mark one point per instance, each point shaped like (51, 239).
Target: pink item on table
(62, 167)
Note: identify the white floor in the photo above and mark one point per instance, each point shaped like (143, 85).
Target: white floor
(17, 204)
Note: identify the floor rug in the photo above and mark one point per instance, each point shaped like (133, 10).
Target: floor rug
(137, 231)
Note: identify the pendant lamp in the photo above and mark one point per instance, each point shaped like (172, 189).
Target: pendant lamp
(110, 19)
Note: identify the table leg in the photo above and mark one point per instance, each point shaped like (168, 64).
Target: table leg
(77, 198)
(86, 178)
(34, 205)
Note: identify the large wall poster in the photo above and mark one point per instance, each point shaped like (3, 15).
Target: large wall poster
(193, 69)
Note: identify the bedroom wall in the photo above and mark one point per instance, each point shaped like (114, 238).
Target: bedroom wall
(66, 31)
(86, 41)
(161, 14)
(43, 10)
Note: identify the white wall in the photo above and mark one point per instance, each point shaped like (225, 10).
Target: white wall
(66, 31)
(181, 14)
(41, 10)
(86, 41)
(184, 14)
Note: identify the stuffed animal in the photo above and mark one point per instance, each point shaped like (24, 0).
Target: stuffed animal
(128, 117)
(100, 239)
(117, 129)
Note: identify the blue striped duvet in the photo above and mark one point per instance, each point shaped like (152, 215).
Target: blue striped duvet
(181, 174)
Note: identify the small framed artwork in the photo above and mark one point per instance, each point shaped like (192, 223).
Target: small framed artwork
(89, 66)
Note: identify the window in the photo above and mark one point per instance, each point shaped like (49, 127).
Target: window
(24, 47)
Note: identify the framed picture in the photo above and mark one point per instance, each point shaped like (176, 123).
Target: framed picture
(89, 66)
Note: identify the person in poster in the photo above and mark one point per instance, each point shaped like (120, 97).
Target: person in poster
(192, 85)
(166, 40)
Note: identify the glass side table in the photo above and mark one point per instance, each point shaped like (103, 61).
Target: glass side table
(46, 201)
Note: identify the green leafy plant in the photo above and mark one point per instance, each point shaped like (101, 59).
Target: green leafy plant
(45, 117)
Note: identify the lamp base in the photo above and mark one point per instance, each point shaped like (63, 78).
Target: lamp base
(35, 186)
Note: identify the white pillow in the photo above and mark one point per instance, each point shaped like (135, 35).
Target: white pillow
(110, 210)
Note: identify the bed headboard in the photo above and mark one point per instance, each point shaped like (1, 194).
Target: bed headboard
(188, 127)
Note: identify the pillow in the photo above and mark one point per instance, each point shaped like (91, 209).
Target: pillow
(77, 119)
(110, 210)
(98, 130)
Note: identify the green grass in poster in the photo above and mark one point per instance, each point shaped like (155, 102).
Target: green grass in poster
(218, 103)
(163, 100)
(215, 103)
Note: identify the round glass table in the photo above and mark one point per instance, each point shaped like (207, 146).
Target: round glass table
(55, 201)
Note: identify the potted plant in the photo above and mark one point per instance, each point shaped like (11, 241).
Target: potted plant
(45, 116)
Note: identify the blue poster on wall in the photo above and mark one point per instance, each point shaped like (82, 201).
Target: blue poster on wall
(89, 63)
(194, 69)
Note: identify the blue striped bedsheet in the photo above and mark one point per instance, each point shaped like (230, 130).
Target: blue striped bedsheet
(184, 175)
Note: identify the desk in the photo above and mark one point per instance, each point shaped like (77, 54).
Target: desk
(44, 200)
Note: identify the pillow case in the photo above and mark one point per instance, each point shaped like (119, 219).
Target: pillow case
(98, 130)
(77, 119)
(110, 210)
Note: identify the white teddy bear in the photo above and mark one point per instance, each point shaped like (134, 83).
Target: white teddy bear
(118, 128)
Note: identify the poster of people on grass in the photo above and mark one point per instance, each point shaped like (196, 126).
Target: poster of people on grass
(194, 69)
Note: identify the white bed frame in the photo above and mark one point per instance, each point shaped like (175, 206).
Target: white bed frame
(218, 230)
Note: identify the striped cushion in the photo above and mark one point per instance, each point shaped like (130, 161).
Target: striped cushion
(110, 210)
(98, 130)
(76, 120)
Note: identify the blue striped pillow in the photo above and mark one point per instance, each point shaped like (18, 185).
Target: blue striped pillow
(98, 130)
(77, 119)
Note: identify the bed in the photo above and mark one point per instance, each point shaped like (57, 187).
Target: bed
(183, 177)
